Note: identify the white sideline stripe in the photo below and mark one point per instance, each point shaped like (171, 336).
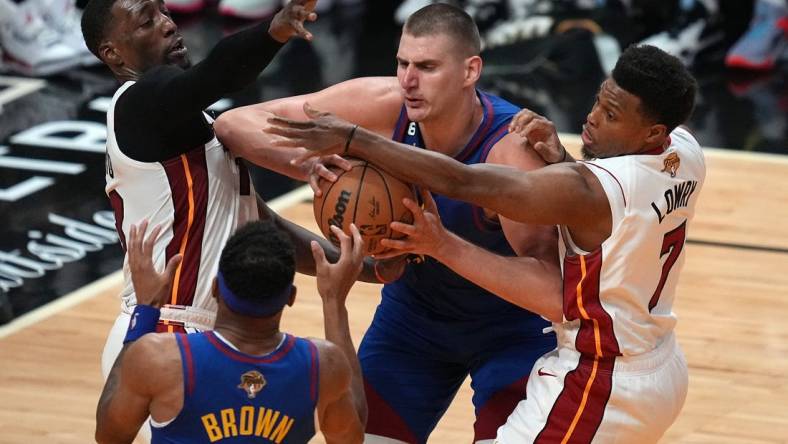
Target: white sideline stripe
(93, 289)
(63, 303)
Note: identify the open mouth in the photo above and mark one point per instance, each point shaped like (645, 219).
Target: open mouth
(178, 49)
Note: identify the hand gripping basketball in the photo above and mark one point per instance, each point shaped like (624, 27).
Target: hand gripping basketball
(366, 196)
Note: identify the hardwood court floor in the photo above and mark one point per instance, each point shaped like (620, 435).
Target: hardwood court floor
(732, 305)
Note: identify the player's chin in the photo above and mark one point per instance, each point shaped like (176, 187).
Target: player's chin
(180, 60)
(416, 114)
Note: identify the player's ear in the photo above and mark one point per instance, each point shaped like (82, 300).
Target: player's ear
(473, 70)
(292, 296)
(109, 54)
(656, 135)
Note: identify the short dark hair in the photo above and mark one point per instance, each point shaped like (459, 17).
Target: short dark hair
(440, 18)
(258, 261)
(664, 85)
(96, 20)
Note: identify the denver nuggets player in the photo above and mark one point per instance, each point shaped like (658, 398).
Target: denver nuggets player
(245, 381)
(433, 328)
(618, 374)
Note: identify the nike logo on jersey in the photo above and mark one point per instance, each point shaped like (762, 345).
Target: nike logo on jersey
(541, 373)
(675, 198)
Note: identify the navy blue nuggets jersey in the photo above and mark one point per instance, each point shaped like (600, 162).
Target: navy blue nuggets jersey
(233, 397)
(433, 286)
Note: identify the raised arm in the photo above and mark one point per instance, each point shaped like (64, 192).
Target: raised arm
(342, 407)
(129, 394)
(372, 102)
(233, 63)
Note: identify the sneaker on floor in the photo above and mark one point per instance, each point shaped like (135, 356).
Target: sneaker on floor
(29, 46)
(764, 42)
(248, 9)
(185, 6)
(693, 32)
(63, 17)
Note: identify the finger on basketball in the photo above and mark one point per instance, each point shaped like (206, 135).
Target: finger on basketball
(358, 242)
(337, 160)
(314, 184)
(428, 200)
(393, 244)
(403, 228)
(325, 173)
(414, 208)
(388, 254)
(344, 240)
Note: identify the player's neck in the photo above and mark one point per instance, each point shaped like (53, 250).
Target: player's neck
(252, 336)
(450, 133)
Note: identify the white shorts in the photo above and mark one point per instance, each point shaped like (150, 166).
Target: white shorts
(574, 399)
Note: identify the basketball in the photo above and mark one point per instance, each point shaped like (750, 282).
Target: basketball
(366, 196)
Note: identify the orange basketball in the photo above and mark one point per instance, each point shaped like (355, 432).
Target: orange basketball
(366, 196)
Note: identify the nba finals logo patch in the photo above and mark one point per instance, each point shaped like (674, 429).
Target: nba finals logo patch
(672, 163)
(252, 382)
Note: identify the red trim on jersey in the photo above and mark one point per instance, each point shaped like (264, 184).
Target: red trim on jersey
(579, 408)
(401, 125)
(189, 363)
(383, 420)
(478, 136)
(313, 371)
(497, 136)
(116, 202)
(188, 178)
(497, 409)
(249, 359)
(596, 336)
(611, 175)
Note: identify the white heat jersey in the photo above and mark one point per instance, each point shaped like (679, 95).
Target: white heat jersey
(199, 198)
(618, 299)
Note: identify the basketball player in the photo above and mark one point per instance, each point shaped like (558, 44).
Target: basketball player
(164, 163)
(433, 328)
(245, 381)
(618, 374)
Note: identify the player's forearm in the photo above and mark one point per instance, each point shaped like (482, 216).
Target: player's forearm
(528, 282)
(337, 330)
(441, 174)
(240, 131)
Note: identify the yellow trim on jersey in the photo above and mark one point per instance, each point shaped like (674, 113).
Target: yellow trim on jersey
(190, 185)
(598, 343)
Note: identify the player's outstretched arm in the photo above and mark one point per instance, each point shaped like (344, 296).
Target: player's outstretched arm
(566, 194)
(167, 94)
(342, 410)
(240, 129)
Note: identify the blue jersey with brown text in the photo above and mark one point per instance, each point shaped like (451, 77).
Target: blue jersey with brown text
(232, 397)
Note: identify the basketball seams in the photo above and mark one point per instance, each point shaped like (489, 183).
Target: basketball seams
(325, 199)
(358, 191)
(389, 231)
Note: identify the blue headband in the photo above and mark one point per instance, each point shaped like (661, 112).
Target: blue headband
(256, 309)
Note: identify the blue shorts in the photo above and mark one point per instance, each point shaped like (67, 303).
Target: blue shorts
(414, 363)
